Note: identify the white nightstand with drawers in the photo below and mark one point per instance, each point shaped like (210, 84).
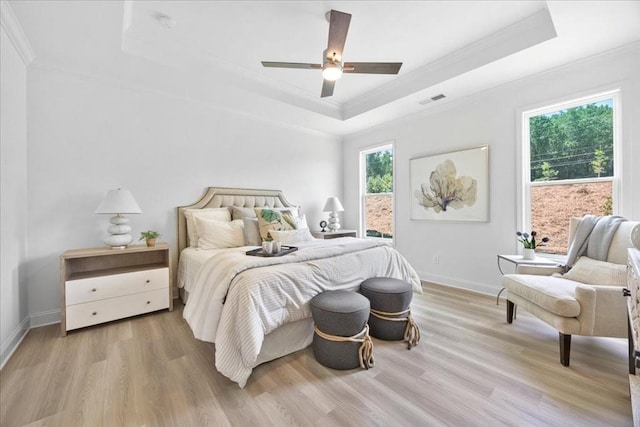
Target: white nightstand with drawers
(103, 284)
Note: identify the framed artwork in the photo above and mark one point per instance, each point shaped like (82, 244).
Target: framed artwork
(451, 186)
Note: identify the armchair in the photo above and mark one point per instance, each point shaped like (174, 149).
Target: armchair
(586, 301)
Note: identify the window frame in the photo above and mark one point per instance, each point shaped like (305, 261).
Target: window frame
(362, 190)
(523, 163)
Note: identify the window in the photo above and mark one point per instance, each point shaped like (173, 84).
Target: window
(569, 165)
(376, 192)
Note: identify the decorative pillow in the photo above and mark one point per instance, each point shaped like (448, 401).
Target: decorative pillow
(301, 222)
(291, 237)
(214, 234)
(251, 232)
(220, 214)
(271, 219)
(241, 213)
(594, 272)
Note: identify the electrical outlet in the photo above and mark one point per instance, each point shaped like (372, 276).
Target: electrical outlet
(436, 259)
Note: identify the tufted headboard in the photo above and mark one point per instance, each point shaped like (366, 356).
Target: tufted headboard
(218, 197)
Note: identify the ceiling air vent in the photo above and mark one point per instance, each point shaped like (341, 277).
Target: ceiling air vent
(433, 98)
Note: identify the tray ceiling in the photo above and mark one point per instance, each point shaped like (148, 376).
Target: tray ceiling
(213, 51)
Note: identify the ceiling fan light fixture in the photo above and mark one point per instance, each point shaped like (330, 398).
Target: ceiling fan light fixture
(331, 71)
(166, 21)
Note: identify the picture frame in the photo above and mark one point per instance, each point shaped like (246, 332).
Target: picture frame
(452, 186)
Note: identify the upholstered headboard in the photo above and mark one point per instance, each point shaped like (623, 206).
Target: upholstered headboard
(218, 197)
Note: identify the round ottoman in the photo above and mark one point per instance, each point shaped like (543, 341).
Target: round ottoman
(341, 339)
(390, 312)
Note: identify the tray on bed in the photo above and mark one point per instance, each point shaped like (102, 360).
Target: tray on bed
(284, 250)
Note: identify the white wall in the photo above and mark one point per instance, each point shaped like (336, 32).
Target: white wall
(88, 136)
(14, 319)
(467, 251)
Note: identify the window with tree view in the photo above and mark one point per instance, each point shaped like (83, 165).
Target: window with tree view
(571, 166)
(377, 192)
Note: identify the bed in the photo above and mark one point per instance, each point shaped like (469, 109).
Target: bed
(257, 309)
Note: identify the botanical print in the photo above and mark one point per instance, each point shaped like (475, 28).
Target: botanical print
(451, 186)
(446, 190)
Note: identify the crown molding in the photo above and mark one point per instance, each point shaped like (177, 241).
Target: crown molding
(12, 26)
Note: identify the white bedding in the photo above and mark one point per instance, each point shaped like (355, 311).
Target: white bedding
(259, 299)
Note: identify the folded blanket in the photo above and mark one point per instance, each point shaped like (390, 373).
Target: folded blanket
(593, 238)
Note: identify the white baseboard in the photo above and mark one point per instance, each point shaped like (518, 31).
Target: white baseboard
(481, 288)
(45, 318)
(33, 321)
(11, 344)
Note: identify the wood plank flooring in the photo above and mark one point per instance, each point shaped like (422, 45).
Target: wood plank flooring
(471, 368)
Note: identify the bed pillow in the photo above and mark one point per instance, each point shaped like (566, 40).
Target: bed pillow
(273, 219)
(594, 272)
(291, 237)
(251, 232)
(220, 214)
(214, 234)
(301, 222)
(241, 213)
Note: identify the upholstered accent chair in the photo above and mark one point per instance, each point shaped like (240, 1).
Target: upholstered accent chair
(588, 300)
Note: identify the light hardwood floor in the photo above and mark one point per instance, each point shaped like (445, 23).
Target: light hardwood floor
(471, 368)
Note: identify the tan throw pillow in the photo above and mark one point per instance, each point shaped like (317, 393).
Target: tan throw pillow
(220, 214)
(594, 272)
(271, 219)
(213, 234)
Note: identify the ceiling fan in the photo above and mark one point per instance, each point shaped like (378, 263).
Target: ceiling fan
(332, 65)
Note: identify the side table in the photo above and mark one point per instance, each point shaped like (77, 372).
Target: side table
(333, 234)
(519, 260)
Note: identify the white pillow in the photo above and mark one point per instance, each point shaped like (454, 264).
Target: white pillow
(214, 234)
(594, 272)
(301, 222)
(291, 237)
(220, 214)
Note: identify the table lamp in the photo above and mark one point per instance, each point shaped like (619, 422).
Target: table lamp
(334, 206)
(118, 202)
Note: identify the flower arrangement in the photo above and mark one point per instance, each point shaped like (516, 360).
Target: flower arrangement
(529, 240)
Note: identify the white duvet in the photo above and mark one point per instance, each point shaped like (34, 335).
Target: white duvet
(237, 299)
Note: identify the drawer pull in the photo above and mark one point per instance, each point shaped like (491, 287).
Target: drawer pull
(148, 302)
(148, 281)
(93, 290)
(94, 313)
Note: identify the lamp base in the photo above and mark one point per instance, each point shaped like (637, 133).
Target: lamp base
(334, 222)
(119, 236)
(118, 241)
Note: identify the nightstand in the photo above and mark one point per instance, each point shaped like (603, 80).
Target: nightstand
(333, 234)
(102, 284)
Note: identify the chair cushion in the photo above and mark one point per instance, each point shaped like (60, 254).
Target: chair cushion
(554, 294)
(594, 272)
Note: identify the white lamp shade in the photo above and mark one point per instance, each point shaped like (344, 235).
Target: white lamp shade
(118, 201)
(333, 205)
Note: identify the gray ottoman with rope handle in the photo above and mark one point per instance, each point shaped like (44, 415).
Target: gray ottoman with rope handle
(390, 310)
(341, 334)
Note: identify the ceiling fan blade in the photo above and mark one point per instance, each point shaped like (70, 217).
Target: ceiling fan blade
(338, 28)
(327, 88)
(372, 67)
(291, 65)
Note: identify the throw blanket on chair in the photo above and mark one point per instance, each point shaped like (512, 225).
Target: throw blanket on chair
(593, 238)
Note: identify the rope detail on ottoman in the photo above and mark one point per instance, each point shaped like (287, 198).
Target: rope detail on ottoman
(411, 332)
(365, 352)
